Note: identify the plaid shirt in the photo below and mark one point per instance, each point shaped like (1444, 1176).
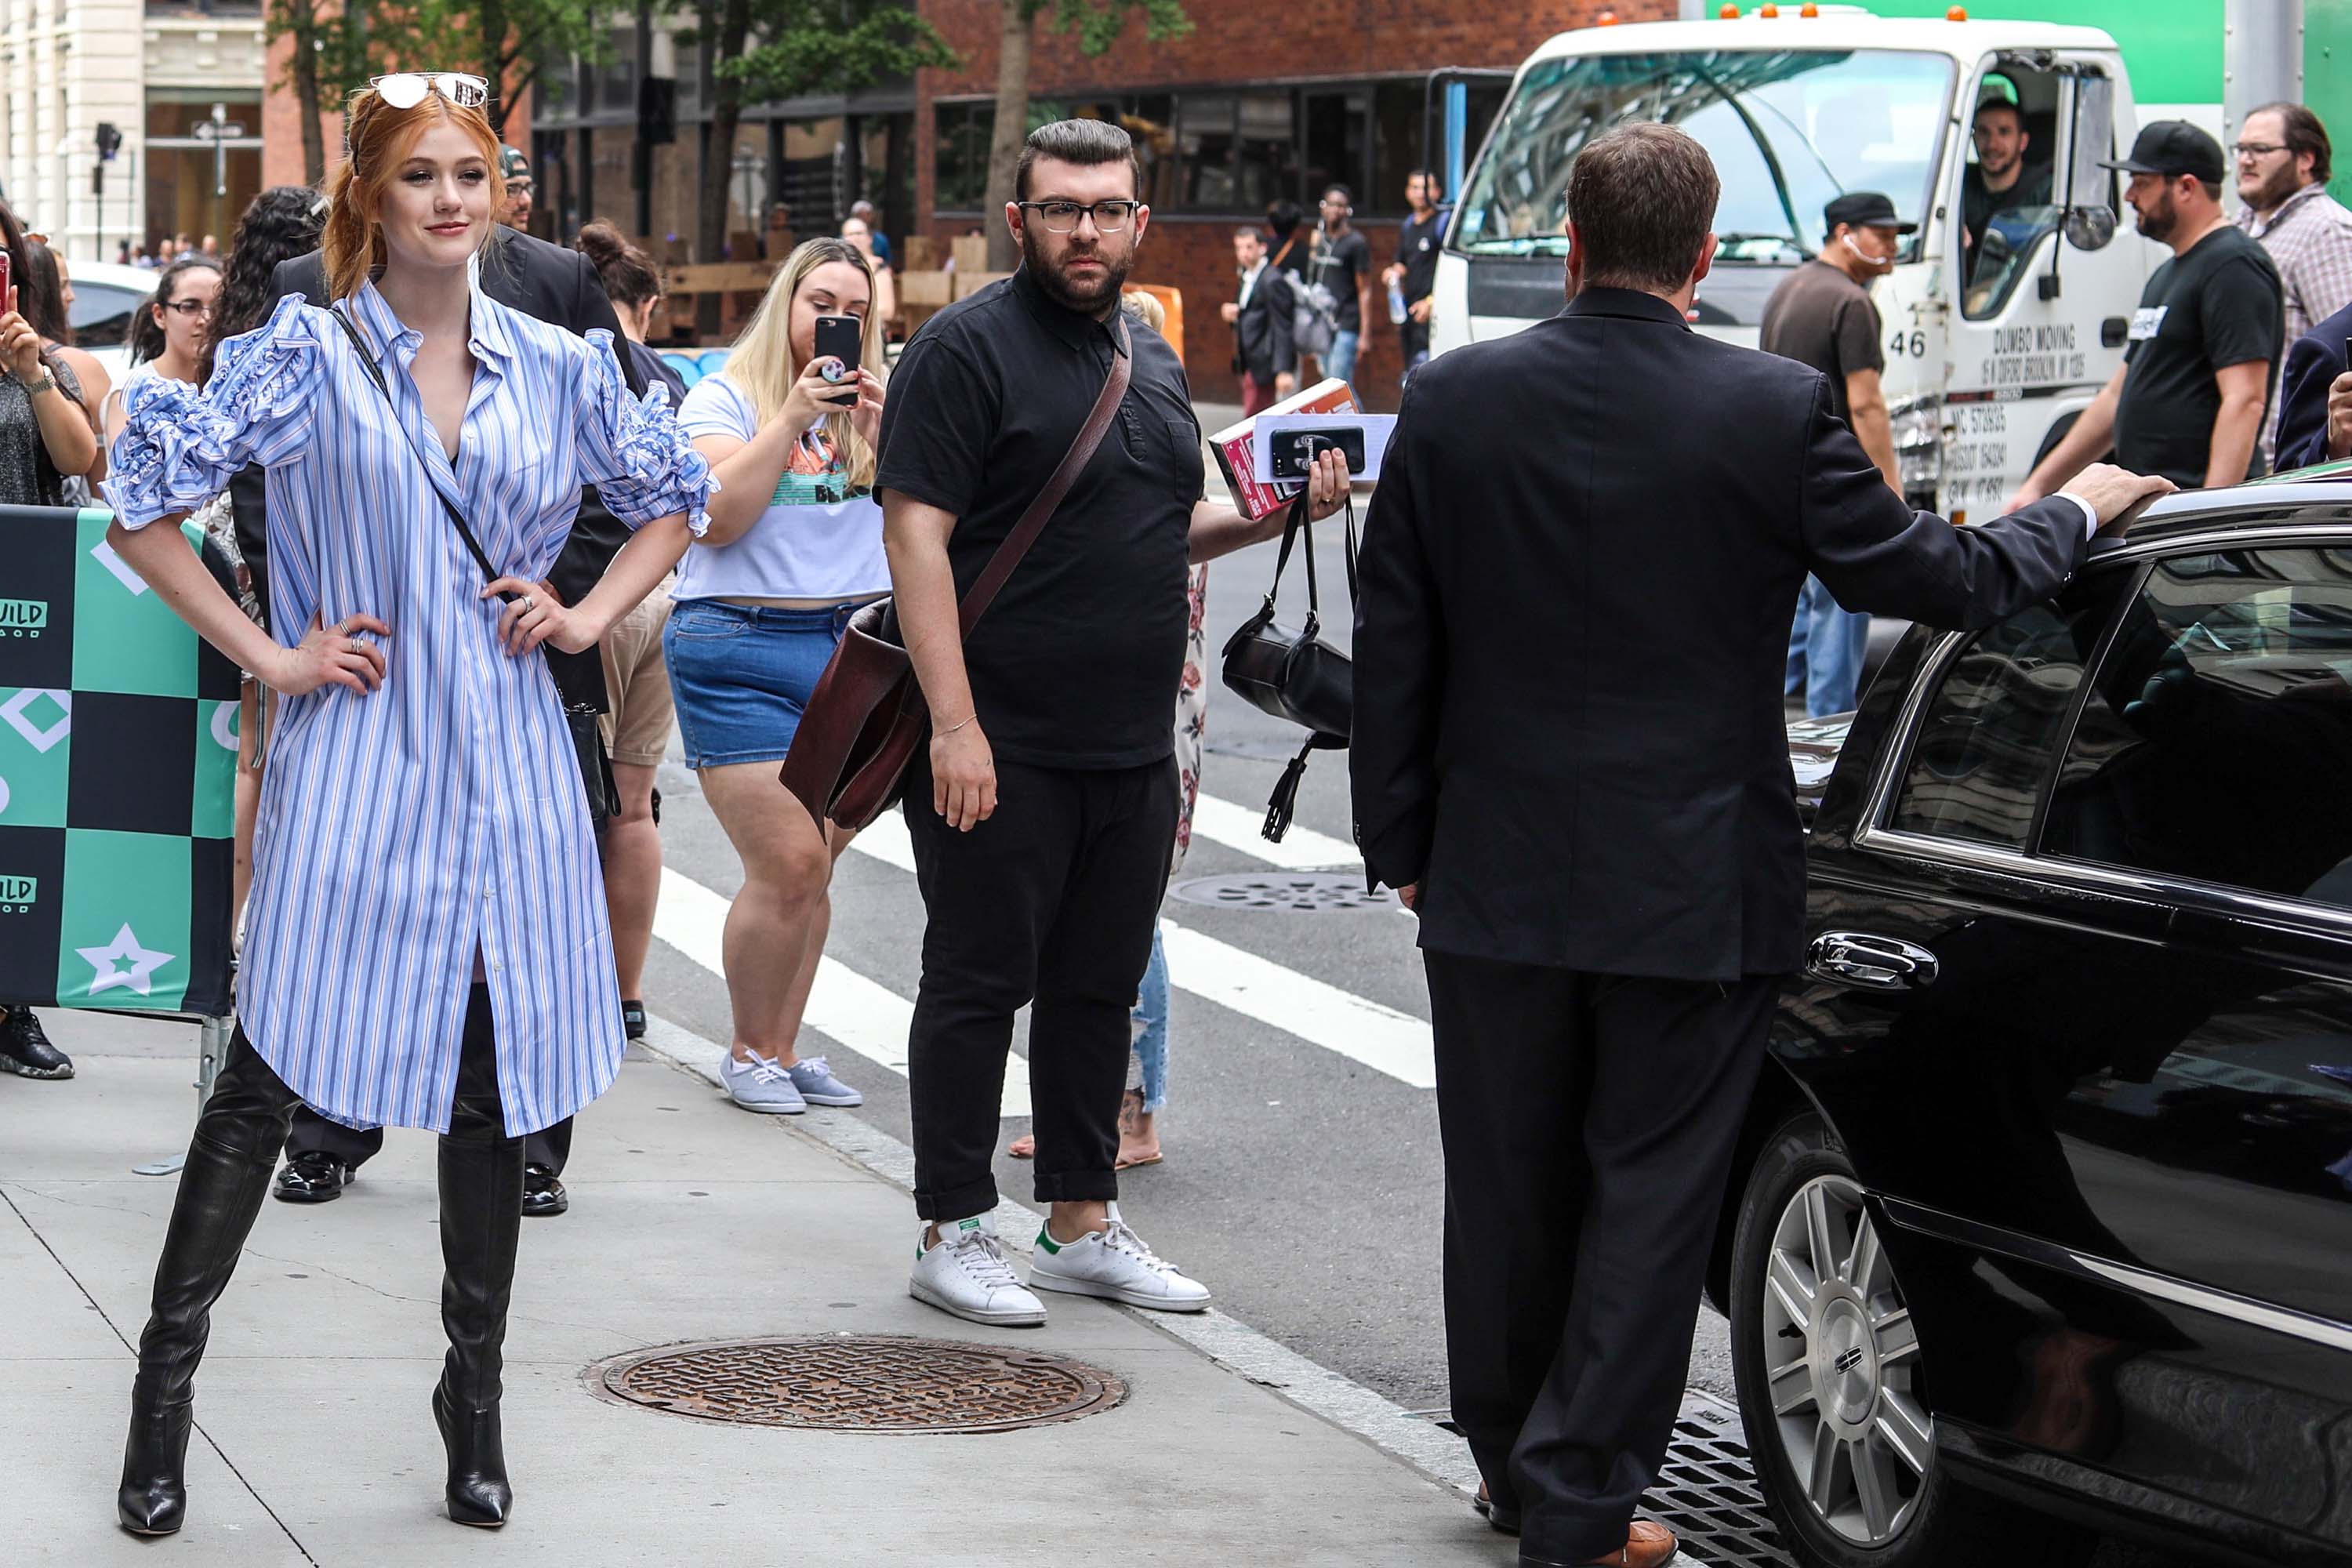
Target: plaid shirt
(2309, 240)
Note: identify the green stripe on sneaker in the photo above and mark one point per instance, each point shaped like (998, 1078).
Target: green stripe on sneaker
(1047, 1242)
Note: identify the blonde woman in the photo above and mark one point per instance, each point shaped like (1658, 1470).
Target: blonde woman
(794, 547)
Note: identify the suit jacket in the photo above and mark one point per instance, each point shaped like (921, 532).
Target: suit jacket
(2314, 361)
(560, 288)
(1576, 583)
(1262, 342)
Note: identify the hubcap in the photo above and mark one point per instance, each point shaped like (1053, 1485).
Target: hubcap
(1840, 1358)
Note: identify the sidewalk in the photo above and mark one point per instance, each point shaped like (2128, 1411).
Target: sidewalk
(689, 1221)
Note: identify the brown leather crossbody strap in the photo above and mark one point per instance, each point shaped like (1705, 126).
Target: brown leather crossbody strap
(1033, 521)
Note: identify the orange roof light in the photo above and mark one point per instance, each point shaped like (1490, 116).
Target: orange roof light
(1767, 10)
(1606, 19)
(1809, 9)
(1956, 14)
(1730, 14)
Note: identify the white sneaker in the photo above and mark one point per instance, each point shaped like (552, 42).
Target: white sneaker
(760, 1085)
(967, 1275)
(1115, 1264)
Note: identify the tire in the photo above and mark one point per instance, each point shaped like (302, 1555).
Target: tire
(1891, 1503)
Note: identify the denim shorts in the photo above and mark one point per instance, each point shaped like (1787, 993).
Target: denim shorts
(741, 674)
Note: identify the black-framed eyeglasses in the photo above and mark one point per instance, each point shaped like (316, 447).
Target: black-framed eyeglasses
(1062, 218)
(190, 308)
(2257, 149)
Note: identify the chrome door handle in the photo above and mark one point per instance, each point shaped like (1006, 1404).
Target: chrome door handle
(1877, 962)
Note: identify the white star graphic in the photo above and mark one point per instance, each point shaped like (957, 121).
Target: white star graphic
(103, 960)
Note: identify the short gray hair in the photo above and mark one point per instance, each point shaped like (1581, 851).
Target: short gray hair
(1086, 143)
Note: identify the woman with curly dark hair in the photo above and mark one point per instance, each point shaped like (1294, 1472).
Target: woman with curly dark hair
(281, 223)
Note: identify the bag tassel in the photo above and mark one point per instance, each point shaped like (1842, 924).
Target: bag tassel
(1285, 799)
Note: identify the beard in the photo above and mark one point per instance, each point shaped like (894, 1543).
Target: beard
(2271, 192)
(1088, 296)
(2158, 223)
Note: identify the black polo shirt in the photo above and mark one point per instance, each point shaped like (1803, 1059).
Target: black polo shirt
(1075, 664)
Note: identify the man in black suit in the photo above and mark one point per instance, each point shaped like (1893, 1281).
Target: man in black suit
(1263, 354)
(2316, 397)
(560, 288)
(1595, 821)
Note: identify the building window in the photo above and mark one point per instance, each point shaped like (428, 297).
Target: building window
(1268, 148)
(1204, 141)
(1337, 136)
(959, 134)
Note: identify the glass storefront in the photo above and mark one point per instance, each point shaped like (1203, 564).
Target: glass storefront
(198, 180)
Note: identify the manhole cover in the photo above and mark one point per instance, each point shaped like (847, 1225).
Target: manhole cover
(846, 1383)
(1284, 892)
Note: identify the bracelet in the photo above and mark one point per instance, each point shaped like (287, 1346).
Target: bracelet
(951, 729)
(47, 382)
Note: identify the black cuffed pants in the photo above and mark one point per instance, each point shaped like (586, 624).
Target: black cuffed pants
(355, 1146)
(1589, 1122)
(1050, 902)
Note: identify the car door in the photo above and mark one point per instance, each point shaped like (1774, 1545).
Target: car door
(2074, 1082)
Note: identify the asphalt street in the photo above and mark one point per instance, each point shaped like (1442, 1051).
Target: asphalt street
(1302, 1180)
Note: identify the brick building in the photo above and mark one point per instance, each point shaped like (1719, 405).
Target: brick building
(1259, 102)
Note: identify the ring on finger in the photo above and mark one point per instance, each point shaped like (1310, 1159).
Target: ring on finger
(525, 603)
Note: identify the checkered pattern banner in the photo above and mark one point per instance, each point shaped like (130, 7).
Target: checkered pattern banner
(118, 769)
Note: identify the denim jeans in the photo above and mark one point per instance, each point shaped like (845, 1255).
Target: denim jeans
(1150, 1021)
(1825, 649)
(1341, 361)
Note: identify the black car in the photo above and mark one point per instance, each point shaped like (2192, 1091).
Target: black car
(2043, 1226)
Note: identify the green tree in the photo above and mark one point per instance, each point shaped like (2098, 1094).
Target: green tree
(502, 41)
(1098, 25)
(783, 49)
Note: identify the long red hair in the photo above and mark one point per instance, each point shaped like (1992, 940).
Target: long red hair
(378, 138)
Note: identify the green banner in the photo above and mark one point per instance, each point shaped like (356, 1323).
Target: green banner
(118, 771)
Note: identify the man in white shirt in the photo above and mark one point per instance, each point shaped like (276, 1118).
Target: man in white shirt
(2283, 167)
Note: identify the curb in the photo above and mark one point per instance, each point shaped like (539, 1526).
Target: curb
(1411, 1439)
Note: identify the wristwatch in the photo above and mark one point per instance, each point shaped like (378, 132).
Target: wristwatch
(35, 388)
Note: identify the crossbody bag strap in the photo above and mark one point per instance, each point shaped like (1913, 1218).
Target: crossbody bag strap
(1033, 521)
(375, 375)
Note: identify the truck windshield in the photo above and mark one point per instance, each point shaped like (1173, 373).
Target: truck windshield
(1788, 131)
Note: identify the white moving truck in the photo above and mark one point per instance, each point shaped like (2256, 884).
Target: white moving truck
(1991, 350)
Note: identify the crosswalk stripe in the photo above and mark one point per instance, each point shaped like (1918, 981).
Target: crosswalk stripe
(1380, 1037)
(1241, 827)
(862, 1015)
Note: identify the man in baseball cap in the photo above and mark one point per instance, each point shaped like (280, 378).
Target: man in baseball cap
(2195, 385)
(521, 188)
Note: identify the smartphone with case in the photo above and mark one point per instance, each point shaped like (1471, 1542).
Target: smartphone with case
(4, 280)
(839, 338)
(1295, 450)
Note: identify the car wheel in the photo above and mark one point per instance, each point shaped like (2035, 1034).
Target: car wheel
(1831, 1384)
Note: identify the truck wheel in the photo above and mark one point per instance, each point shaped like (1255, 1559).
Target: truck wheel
(1831, 1384)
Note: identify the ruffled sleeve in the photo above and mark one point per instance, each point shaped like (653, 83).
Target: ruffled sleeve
(178, 447)
(634, 452)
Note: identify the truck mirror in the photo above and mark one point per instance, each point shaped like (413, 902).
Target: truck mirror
(2090, 228)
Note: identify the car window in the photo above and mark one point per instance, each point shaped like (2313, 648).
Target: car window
(1987, 739)
(101, 314)
(2217, 741)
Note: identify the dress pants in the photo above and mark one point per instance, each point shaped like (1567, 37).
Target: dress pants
(1050, 902)
(354, 1146)
(1589, 1122)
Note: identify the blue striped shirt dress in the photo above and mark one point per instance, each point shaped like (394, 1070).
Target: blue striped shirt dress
(404, 832)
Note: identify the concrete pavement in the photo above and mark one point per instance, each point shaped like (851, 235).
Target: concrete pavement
(689, 1221)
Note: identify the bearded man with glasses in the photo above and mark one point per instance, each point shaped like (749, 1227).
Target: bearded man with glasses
(2283, 164)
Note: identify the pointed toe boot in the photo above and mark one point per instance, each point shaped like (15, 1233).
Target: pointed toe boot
(481, 1219)
(154, 1499)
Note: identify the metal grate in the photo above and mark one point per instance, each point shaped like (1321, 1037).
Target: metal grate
(1284, 893)
(859, 1382)
(1707, 1493)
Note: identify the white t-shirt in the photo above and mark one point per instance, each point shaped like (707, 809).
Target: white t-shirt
(814, 542)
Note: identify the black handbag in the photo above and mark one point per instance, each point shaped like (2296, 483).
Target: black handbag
(580, 719)
(1291, 672)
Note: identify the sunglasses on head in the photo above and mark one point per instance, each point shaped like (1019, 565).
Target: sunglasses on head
(406, 89)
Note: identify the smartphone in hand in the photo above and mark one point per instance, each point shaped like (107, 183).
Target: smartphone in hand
(839, 338)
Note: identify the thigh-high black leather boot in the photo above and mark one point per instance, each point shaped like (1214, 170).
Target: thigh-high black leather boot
(481, 1218)
(221, 1187)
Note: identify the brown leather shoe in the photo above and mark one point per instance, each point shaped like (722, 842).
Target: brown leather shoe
(1648, 1544)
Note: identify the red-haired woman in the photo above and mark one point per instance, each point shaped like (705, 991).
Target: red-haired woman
(425, 944)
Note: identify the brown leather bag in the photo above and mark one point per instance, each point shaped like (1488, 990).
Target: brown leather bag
(867, 716)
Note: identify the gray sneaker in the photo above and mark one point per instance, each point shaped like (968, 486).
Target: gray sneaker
(812, 1076)
(760, 1085)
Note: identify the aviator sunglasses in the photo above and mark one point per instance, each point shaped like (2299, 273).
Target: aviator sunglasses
(406, 89)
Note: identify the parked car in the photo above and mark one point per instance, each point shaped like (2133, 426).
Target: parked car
(2042, 1223)
(106, 298)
